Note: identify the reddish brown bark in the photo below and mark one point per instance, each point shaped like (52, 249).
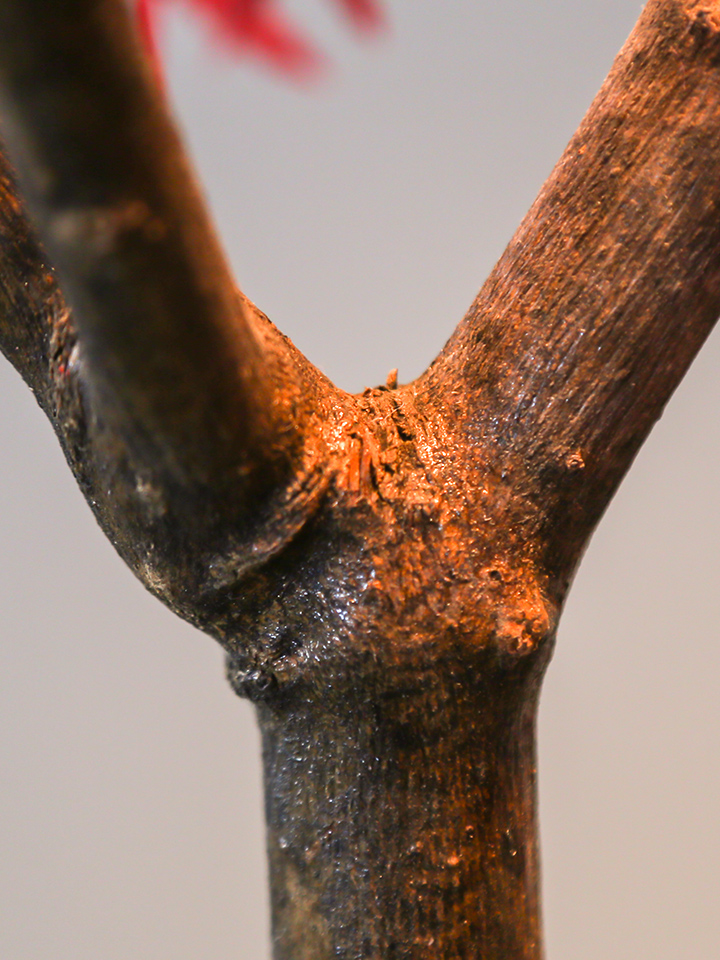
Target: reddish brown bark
(385, 571)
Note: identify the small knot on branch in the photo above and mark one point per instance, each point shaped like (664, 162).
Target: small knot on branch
(705, 28)
(256, 682)
(524, 621)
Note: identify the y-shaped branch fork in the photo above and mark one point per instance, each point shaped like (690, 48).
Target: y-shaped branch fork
(385, 571)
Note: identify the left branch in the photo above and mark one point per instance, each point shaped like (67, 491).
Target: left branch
(31, 304)
(193, 427)
(172, 354)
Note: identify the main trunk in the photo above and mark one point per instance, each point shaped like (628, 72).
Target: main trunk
(401, 816)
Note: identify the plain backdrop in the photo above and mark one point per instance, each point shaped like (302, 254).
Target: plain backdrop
(362, 213)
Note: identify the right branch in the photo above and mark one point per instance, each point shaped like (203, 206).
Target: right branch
(608, 289)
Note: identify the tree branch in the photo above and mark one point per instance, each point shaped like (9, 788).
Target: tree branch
(173, 356)
(30, 299)
(191, 424)
(608, 289)
(397, 642)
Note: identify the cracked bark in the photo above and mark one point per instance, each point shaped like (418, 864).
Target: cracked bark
(385, 571)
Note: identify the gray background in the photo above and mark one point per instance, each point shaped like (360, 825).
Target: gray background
(361, 213)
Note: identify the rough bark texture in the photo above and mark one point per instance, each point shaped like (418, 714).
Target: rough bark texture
(401, 822)
(385, 571)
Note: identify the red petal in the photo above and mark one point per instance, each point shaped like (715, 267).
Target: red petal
(257, 26)
(365, 13)
(145, 24)
(148, 34)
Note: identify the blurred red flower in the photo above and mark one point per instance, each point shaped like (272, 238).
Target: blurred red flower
(258, 26)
